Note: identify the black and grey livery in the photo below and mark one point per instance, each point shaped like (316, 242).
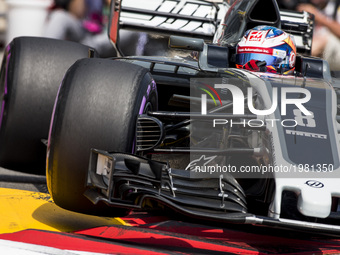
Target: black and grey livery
(125, 134)
(305, 155)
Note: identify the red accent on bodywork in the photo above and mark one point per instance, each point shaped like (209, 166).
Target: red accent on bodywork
(114, 27)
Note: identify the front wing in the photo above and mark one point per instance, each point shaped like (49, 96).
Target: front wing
(136, 183)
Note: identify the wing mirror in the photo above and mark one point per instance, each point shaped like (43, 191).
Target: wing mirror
(211, 57)
(186, 43)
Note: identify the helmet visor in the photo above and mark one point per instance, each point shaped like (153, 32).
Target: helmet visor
(243, 58)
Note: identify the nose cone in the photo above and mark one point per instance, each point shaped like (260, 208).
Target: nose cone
(315, 200)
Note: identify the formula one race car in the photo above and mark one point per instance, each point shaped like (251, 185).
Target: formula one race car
(201, 134)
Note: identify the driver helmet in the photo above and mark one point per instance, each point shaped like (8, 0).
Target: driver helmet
(266, 48)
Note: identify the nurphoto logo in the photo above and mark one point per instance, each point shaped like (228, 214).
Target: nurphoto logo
(239, 98)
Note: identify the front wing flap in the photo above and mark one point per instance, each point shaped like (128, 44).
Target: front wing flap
(127, 181)
(132, 182)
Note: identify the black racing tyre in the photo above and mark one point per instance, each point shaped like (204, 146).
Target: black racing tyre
(97, 107)
(31, 72)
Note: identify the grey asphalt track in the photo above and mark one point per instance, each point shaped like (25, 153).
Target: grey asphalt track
(17, 180)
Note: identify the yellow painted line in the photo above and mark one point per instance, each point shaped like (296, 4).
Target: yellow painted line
(20, 210)
(122, 222)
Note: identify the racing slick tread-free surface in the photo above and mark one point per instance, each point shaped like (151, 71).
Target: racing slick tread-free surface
(97, 107)
(31, 72)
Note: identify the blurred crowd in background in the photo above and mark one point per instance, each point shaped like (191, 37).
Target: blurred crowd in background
(326, 36)
(86, 21)
(3, 22)
(83, 21)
